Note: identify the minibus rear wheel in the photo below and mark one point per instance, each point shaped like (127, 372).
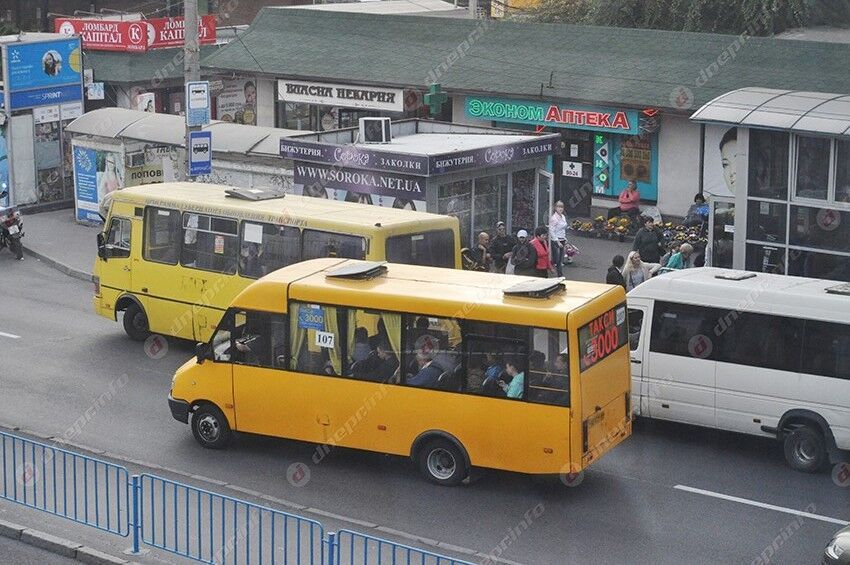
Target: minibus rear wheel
(441, 462)
(136, 323)
(805, 449)
(210, 427)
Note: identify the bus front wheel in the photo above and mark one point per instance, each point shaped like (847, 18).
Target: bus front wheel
(210, 427)
(441, 462)
(136, 323)
(805, 449)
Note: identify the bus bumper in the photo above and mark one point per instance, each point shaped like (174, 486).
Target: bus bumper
(179, 409)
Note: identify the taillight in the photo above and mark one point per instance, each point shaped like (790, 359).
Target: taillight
(96, 281)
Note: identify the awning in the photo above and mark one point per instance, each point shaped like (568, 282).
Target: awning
(787, 110)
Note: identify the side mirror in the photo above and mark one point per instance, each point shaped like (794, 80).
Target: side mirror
(101, 246)
(202, 352)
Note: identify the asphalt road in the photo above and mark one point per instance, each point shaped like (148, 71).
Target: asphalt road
(633, 506)
(13, 552)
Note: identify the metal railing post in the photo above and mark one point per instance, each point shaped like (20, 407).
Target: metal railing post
(331, 548)
(137, 527)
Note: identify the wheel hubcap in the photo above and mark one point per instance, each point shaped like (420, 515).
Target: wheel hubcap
(441, 464)
(805, 451)
(139, 322)
(208, 428)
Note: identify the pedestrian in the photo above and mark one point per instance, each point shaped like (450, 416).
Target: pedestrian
(681, 259)
(615, 272)
(635, 271)
(558, 237)
(672, 249)
(501, 246)
(648, 242)
(479, 256)
(628, 202)
(523, 255)
(544, 264)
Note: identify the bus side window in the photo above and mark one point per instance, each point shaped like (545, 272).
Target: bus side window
(162, 235)
(549, 368)
(324, 244)
(266, 247)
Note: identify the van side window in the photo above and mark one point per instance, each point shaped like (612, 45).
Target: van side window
(210, 243)
(266, 247)
(325, 244)
(373, 345)
(433, 356)
(488, 350)
(685, 330)
(118, 237)
(317, 343)
(760, 340)
(635, 325)
(162, 235)
(826, 349)
(549, 368)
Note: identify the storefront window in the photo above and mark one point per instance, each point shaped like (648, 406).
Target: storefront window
(455, 199)
(48, 161)
(842, 171)
(724, 234)
(296, 116)
(818, 265)
(766, 221)
(522, 213)
(765, 259)
(490, 202)
(812, 167)
(820, 228)
(768, 166)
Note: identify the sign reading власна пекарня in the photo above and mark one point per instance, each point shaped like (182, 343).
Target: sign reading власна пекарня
(551, 114)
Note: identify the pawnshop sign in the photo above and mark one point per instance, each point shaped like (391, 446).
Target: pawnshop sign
(157, 33)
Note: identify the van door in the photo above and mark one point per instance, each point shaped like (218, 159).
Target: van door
(115, 271)
(639, 320)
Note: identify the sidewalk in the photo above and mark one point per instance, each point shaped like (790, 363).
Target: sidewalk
(57, 240)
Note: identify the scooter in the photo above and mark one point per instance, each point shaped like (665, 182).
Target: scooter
(11, 227)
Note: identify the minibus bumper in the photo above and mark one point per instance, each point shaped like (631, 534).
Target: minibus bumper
(179, 409)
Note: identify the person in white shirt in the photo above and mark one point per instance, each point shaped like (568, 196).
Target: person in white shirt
(558, 237)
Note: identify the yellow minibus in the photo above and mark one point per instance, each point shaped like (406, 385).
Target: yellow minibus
(452, 368)
(173, 256)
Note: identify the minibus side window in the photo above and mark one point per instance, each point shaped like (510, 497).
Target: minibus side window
(635, 325)
(317, 345)
(433, 353)
(759, 340)
(162, 235)
(210, 243)
(266, 247)
(429, 249)
(221, 339)
(325, 244)
(549, 368)
(686, 330)
(826, 349)
(373, 345)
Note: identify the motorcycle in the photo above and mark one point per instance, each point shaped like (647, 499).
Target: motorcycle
(11, 228)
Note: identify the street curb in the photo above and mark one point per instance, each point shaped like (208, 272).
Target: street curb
(57, 545)
(70, 271)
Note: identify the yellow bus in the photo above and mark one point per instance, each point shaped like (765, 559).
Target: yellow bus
(173, 256)
(452, 368)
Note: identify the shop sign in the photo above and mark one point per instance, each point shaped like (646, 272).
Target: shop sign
(495, 156)
(553, 115)
(45, 114)
(353, 157)
(357, 180)
(341, 95)
(145, 174)
(44, 96)
(156, 33)
(46, 64)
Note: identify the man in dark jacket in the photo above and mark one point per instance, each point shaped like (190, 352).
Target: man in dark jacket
(524, 256)
(648, 242)
(615, 272)
(501, 247)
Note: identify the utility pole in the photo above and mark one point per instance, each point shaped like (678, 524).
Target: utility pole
(191, 61)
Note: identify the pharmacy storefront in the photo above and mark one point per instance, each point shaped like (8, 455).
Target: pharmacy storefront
(600, 148)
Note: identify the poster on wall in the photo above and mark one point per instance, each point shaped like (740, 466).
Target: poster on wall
(378, 200)
(4, 165)
(636, 159)
(237, 102)
(96, 174)
(44, 64)
(145, 102)
(719, 158)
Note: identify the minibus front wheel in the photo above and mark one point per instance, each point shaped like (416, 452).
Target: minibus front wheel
(210, 427)
(136, 322)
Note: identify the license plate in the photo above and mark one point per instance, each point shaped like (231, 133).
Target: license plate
(13, 229)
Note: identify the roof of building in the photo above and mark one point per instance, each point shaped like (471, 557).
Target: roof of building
(123, 67)
(420, 7)
(627, 67)
(801, 112)
(763, 292)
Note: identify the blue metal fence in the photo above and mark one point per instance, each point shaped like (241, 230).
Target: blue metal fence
(67, 484)
(187, 521)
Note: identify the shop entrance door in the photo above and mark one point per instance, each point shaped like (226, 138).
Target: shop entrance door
(576, 184)
(544, 197)
(721, 230)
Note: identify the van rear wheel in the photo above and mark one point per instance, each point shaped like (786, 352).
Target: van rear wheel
(136, 323)
(805, 449)
(441, 462)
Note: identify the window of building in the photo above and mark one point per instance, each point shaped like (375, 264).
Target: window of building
(326, 244)
(826, 349)
(818, 265)
(760, 340)
(766, 221)
(684, 329)
(162, 235)
(295, 115)
(522, 203)
(813, 158)
(490, 203)
(820, 228)
(765, 258)
(118, 237)
(267, 247)
(432, 249)
(768, 164)
(455, 199)
(210, 243)
(602, 336)
(842, 171)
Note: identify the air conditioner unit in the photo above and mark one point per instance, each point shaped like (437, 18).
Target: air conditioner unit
(136, 159)
(375, 130)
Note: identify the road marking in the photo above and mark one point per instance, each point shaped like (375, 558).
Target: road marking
(12, 336)
(762, 505)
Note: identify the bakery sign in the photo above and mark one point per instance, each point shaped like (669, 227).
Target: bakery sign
(341, 95)
(113, 35)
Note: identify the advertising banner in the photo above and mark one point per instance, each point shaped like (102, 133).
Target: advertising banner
(237, 102)
(354, 157)
(493, 156)
(719, 158)
(45, 96)
(47, 64)
(85, 182)
(108, 35)
(317, 178)
(341, 95)
(4, 164)
(145, 102)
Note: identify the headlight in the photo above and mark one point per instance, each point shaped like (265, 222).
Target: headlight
(834, 550)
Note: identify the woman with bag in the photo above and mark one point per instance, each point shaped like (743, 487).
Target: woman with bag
(558, 237)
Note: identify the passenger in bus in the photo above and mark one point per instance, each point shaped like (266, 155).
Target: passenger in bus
(515, 388)
(252, 347)
(428, 374)
(250, 262)
(492, 373)
(380, 365)
(361, 345)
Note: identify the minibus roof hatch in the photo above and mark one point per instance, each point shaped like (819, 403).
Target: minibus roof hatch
(735, 276)
(843, 289)
(255, 194)
(359, 270)
(539, 288)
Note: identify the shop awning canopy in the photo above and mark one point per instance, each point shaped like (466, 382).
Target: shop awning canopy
(165, 129)
(152, 67)
(787, 110)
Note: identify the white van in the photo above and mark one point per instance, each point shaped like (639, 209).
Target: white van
(761, 354)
